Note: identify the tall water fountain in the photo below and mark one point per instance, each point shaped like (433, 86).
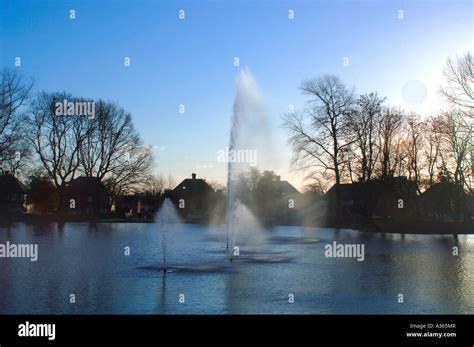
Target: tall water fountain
(250, 145)
(250, 131)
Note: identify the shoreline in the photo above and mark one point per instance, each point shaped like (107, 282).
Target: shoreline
(380, 226)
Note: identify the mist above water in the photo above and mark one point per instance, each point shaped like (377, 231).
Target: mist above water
(166, 216)
(250, 127)
(250, 131)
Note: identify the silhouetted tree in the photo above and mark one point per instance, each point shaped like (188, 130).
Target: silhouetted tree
(457, 146)
(112, 150)
(432, 149)
(415, 144)
(260, 192)
(57, 139)
(14, 94)
(458, 86)
(388, 131)
(362, 128)
(317, 135)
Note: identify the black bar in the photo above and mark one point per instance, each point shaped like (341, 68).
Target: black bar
(157, 330)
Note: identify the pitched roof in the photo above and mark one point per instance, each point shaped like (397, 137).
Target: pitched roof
(346, 190)
(192, 184)
(442, 189)
(10, 185)
(358, 190)
(286, 188)
(85, 185)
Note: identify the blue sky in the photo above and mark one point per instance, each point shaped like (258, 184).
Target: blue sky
(190, 61)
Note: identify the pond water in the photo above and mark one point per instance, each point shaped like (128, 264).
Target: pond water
(89, 261)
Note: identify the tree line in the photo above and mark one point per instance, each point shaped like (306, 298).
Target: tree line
(340, 137)
(36, 141)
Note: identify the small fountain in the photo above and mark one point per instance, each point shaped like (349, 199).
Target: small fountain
(166, 216)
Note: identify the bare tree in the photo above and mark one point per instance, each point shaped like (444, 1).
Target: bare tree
(362, 127)
(399, 161)
(216, 186)
(317, 186)
(170, 182)
(112, 150)
(415, 144)
(388, 131)
(56, 139)
(455, 155)
(432, 149)
(458, 88)
(155, 185)
(131, 172)
(317, 134)
(14, 93)
(350, 170)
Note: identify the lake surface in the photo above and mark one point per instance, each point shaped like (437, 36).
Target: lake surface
(90, 262)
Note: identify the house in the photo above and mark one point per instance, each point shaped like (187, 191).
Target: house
(351, 199)
(271, 200)
(42, 197)
(12, 194)
(287, 190)
(87, 196)
(291, 203)
(194, 198)
(446, 201)
(141, 206)
(391, 197)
